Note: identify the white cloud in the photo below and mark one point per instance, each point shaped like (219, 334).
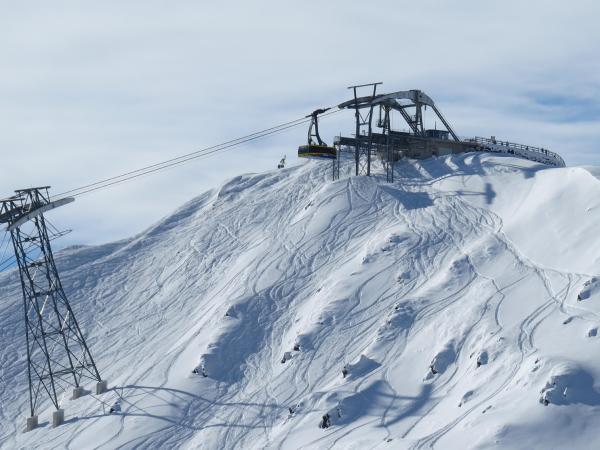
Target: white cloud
(90, 90)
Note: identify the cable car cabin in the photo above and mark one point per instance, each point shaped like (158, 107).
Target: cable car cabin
(316, 148)
(315, 151)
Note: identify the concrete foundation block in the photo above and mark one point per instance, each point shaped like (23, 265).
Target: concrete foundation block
(101, 387)
(32, 423)
(77, 392)
(58, 417)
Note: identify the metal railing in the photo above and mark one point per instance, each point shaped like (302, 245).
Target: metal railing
(525, 151)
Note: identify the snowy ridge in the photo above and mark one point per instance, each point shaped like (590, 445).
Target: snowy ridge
(449, 310)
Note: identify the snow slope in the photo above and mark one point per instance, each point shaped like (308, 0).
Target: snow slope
(438, 312)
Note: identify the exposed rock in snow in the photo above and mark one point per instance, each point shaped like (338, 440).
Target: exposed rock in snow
(568, 320)
(591, 288)
(466, 397)
(442, 360)
(286, 357)
(325, 421)
(115, 408)
(482, 358)
(361, 367)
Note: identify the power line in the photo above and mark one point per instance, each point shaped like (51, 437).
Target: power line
(174, 159)
(165, 165)
(127, 176)
(171, 165)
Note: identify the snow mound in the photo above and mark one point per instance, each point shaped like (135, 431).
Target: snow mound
(569, 383)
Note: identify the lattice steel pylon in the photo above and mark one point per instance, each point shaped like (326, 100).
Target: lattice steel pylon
(387, 154)
(57, 354)
(364, 127)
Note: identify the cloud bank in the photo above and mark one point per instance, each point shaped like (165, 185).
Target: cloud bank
(97, 89)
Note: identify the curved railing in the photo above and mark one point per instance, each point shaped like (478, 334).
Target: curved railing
(537, 154)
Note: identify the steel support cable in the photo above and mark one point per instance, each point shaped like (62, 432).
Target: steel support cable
(8, 262)
(184, 158)
(4, 247)
(172, 159)
(187, 157)
(174, 163)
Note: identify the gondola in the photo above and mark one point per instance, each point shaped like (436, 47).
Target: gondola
(315, 151)
(316, 148)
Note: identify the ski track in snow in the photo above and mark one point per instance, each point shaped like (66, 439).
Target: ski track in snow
(380, 280)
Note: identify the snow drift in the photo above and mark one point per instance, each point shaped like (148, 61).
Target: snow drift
(284, 310)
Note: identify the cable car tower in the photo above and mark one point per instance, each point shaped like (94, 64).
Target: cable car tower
(57, 354)
(364, 135)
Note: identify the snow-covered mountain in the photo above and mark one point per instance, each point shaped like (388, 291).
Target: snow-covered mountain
(455, 308)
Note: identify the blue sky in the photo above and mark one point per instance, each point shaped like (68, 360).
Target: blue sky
(93, 89)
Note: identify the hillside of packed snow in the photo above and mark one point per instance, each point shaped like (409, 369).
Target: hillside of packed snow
(456, 308)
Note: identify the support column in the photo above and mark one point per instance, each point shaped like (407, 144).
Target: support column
(77, 392)
(32, 423)
(58, 418)
(101, 387)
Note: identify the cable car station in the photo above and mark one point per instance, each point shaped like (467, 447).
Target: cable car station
(390, 145)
